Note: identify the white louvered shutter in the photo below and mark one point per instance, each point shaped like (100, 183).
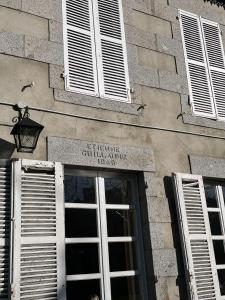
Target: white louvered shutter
(215, 54)
(196, 238)
(79, 47)
(5, 216)
(199, 82)
(111, 49)
(38, 245)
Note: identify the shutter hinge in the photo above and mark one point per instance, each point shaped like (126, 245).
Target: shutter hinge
(146, 185)
(189, 100)
(12, 290)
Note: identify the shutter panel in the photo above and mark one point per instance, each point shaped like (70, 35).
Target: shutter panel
(5, 197)
(215, 53)
(111, 46)
(196, 238)
(79, 47)
(198, 77)
(38, 252)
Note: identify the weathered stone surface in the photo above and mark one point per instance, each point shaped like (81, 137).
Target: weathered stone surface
(207, 166)
(17, 4)
(140, 37)
(44, 51)
(87, 153)
(76, 98)
(55, 75)
(49, 9)
(173, 82)
(15, 21)
(12, 44)
(156, 60)
(56, 31)
(158, 210)
(152, 24)
(165, 262)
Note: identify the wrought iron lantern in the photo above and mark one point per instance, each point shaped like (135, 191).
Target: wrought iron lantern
(26, 131)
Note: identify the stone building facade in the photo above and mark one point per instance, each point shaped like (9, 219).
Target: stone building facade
(154, 136)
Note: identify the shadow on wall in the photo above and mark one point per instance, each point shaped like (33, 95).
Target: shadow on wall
(181, 280)
(6, 149)
(149, 266)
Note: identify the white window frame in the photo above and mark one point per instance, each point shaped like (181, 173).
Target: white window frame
(205, 55)
(221, 210)
(105, 275)
(96, 53)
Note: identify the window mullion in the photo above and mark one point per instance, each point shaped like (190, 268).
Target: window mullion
(222, 207)
(98, 48)
(208, 67)
(104, 243)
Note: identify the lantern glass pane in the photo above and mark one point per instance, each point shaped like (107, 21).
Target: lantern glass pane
(28, 137)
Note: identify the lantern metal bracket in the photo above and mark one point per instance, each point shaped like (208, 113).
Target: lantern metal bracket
(21, 114)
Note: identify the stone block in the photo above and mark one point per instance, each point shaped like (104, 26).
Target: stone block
(49, 9)
(144, 76)
(154, 184)
(156, 60)
(55, 76)
(79, 99)
(18, 22)
(161, 236)
(56, 31)
(172, 82)
(158, 210)
(207, 166)
(92, 154)
(16, 4)
(44, 51)
(12, 44)
(151, 24)
(169, 46)
(140, 37)
(165, 262)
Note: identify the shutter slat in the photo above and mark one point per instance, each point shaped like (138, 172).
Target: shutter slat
(215, 54)
(196, 238)
(110, 42)
(39, 269)
(196, 64)
(79, 47)
(5, 214)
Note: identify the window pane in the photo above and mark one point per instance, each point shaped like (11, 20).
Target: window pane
(118, 191)
(120, 222)
(81, 223)
(210, 194)
(82, 259)
(215, 226)
(221, 275)
(125, 288)
(219, 252)
(122, 257)
(83, 290)
(79, 189)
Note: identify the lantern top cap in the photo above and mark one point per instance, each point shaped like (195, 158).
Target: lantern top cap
(26, 122)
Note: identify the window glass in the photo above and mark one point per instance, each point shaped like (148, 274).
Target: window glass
(122, 257)
(79, 189)
(81, 223)
(219, 251)
(82, 259)
(210, 194)
(125, 288)
(118, 191)
(83, 290)
(221, 275)
(120, 222)
(214, 220)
